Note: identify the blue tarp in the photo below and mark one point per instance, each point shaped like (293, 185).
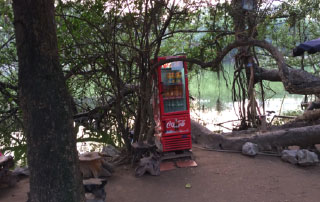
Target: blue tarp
(311, 47)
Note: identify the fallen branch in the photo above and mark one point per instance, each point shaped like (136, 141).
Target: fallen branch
(268, 141)
(309, 115)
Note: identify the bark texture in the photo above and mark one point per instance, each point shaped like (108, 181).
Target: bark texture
(309, 115)
(46, 106)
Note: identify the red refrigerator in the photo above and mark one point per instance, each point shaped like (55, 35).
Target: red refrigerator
(171, 106)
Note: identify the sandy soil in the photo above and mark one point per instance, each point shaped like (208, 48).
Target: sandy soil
(18, 193)
(219, 177)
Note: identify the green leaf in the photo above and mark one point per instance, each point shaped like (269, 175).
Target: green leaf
(188, 186)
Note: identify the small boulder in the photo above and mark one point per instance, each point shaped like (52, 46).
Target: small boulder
(250, 149)
(289, 156)
(95, 189)
(307, 158)
(21, 172)
(110, 150)
(301, 157)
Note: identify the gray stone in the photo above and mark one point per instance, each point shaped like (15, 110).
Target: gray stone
(110, 150)
(95, 189)
(289, 156)
(307, 158)
(250, 149)
(21, 171)
(301, 157)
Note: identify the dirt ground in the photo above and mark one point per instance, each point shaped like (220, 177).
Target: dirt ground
(219, 177)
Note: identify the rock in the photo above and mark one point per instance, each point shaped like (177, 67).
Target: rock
(289, 156)
(21, 172)
(91, 198)
(89, 156)
(250, 149)
(110, 150)
(307, 158)
(301, 157)
(95, 189)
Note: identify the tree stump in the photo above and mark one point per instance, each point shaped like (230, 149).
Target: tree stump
(141, 150)
(6, 176)
(94, 165)
(94, 189)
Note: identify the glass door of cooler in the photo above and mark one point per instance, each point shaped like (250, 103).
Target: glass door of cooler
(173, 87)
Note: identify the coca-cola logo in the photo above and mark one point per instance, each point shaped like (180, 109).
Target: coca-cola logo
(176, 124)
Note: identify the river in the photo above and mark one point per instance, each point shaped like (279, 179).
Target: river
(206, 88)
(209, 117)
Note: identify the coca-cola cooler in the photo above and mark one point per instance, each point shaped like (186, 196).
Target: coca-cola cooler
(171, 106)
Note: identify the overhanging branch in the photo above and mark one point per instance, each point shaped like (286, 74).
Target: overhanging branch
(98, 112)
(294, 80)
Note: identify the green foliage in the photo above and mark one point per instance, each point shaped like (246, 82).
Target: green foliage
(207, 87)
(107, 45)
(281, 121)
(293, 113)
(11, 140)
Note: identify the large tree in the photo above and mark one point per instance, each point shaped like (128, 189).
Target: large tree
(46, 107)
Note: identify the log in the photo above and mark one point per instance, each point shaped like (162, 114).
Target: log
(295, 81)
(313, 105)
(267, 141)
(309, 115)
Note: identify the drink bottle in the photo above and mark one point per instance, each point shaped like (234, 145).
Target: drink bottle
(178, 78)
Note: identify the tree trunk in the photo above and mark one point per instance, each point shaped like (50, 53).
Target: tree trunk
(268, 141)
(261, 74)
(46, 106)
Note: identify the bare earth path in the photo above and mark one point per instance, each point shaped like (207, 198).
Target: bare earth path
(219, 177)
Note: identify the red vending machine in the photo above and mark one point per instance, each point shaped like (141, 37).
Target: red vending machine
(171, 106)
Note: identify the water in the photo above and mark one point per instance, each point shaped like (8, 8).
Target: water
(209, 117)
(207, 88)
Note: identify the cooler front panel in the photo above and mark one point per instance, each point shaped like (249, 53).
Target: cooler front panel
(176, 142)
(179, 124)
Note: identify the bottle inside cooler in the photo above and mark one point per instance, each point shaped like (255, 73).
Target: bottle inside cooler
(172, 78)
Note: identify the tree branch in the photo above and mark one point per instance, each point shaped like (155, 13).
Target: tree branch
(8, 41)
(98, 112)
